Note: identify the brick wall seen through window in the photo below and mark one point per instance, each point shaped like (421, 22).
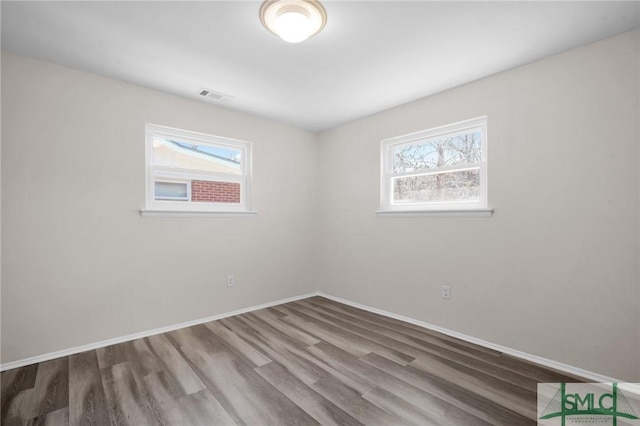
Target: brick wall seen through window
(215, 192)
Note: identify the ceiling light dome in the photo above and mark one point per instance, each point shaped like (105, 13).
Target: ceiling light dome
(293, 20)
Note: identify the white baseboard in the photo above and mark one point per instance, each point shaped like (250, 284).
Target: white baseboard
(109, 342)
(595, 377)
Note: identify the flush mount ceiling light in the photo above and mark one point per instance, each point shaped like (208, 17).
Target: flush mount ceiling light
(293, 20)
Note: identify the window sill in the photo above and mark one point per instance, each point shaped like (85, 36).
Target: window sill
(195, 213)
(436, 213)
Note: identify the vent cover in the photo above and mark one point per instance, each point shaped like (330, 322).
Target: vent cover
(214, 96)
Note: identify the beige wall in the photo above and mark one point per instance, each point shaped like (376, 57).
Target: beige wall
(555, 271)
(79, 263)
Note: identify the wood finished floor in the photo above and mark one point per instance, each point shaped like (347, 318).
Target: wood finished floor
(309, 362)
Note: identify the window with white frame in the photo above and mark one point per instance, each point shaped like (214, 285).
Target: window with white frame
(439, 169)
(189, 171)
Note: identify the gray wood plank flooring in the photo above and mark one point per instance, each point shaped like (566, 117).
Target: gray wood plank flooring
(314, 361)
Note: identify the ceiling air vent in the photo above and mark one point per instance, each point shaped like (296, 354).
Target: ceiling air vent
(214, 96)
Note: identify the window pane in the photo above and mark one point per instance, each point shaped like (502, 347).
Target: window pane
(171, 191)
(204, 191)
(448, 151)
(440, 187)
(184, 155)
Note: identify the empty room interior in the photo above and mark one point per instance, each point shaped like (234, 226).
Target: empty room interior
(335, 212)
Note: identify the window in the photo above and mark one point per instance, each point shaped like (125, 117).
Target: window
(440, 169)
(194, 172)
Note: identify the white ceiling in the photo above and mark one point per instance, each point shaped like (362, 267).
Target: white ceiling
(371, 56)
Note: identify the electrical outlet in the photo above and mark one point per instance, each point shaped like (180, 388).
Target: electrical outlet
(231, 281)
(446, 292)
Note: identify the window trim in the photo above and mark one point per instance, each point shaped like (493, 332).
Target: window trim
(473, 209)
(174, 208)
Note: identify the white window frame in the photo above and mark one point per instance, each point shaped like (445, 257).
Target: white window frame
(453, 208)
(186, 182)
(154, 207)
